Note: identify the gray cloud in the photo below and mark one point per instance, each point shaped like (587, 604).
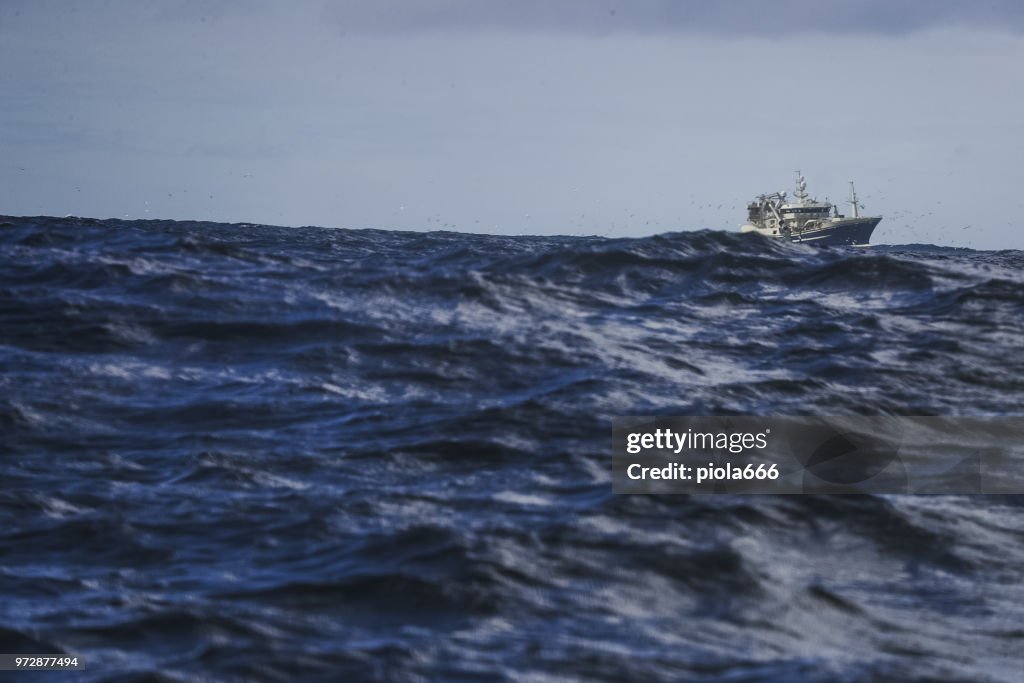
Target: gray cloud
(739, 17)
(591, 17)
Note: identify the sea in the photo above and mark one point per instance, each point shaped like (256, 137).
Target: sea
(244, 452)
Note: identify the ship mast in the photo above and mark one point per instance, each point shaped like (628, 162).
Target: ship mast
(801, 188)
(853, 202)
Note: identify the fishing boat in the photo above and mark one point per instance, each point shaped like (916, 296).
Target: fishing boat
(805, 219)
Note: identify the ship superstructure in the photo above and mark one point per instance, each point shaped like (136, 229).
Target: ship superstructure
(805, 219)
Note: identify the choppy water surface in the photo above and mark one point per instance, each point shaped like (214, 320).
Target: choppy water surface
(239, 451)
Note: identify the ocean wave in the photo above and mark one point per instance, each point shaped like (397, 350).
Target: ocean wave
(241, 451)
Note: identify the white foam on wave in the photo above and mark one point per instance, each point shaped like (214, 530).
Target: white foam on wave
(129, 370)
(521, 498)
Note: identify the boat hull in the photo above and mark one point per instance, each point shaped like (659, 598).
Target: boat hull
(842, 232)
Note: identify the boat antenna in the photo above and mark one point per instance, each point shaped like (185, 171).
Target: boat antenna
(854, 206)
(801, 188)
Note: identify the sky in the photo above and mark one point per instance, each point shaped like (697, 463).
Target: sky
(516, 116)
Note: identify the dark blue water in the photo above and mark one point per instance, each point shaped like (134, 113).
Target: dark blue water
(245, 452)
